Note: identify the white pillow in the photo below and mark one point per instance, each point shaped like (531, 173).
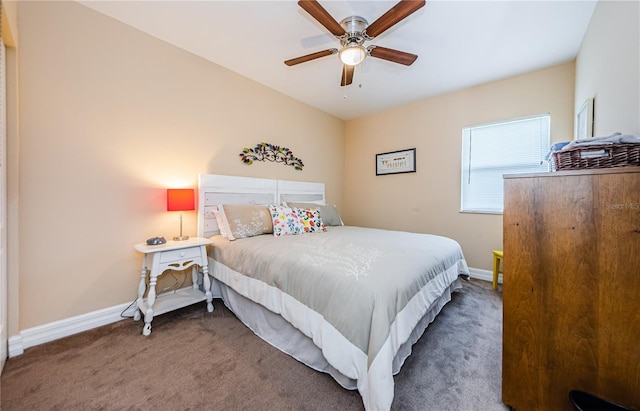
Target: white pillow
(223, 226)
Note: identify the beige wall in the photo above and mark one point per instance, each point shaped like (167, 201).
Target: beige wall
(428, 201)
(608, 67)
(109, 118)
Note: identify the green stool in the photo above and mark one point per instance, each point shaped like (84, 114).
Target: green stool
(497, 258)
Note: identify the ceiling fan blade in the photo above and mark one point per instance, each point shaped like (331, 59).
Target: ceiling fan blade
(312, 56)
(394, 15)
(319, 13)
(395, 56)
(347, 75)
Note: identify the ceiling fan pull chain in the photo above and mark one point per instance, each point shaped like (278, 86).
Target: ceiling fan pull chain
(345, 87)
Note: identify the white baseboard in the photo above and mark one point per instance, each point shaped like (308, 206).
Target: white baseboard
(485, 275)
(41, 334)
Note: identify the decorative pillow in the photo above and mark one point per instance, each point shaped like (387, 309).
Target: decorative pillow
(222, 224)
(310, 219)
(285, 221)
(329, 213)
(245, 220)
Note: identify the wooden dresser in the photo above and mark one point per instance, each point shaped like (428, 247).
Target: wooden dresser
(571, 288)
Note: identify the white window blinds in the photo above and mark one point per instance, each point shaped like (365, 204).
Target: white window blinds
(491, 150)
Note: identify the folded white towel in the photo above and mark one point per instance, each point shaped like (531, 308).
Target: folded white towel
(615, 138)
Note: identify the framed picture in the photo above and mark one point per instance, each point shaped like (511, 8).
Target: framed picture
(396, 162)
(584, 120)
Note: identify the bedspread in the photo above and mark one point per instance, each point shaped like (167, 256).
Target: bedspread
(357, 292)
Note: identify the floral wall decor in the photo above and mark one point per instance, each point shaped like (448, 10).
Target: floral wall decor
(270, 152)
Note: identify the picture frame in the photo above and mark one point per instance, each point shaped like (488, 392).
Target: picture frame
(396, 162)
(584, 120)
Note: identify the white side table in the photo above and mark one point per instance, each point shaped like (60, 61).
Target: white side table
(174, 255)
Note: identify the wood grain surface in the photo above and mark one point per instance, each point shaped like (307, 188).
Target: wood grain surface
(571, 288)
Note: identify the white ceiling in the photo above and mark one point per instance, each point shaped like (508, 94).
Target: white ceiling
(459, 44)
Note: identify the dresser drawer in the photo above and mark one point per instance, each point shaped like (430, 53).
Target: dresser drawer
(174, 255)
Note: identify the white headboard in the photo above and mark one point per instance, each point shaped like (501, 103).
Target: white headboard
(214, 189)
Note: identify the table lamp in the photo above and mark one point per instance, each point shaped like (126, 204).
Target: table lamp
(180, 199)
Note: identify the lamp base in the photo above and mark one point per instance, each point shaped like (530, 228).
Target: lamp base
(181, 238)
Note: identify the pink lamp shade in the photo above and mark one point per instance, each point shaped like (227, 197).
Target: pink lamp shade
(180, 199)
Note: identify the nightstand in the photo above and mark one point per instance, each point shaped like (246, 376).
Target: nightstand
(174, 255)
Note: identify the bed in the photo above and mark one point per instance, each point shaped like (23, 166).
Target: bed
(348, 301)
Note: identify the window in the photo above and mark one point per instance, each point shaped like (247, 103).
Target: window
(491, 150)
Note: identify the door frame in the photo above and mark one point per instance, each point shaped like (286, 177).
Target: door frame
(3, 208)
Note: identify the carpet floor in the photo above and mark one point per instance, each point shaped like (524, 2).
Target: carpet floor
(195, 360)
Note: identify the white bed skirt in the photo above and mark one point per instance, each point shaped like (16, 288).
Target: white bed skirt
(278, 332)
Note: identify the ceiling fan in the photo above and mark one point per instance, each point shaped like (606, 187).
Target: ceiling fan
(353, 31)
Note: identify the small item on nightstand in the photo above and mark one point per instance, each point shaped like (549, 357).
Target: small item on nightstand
(156, 241)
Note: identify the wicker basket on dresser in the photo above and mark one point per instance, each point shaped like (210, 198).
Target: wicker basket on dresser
(597, 156)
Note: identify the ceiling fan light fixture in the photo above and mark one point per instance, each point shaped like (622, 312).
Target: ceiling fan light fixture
(352, 54)
(354, 31)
